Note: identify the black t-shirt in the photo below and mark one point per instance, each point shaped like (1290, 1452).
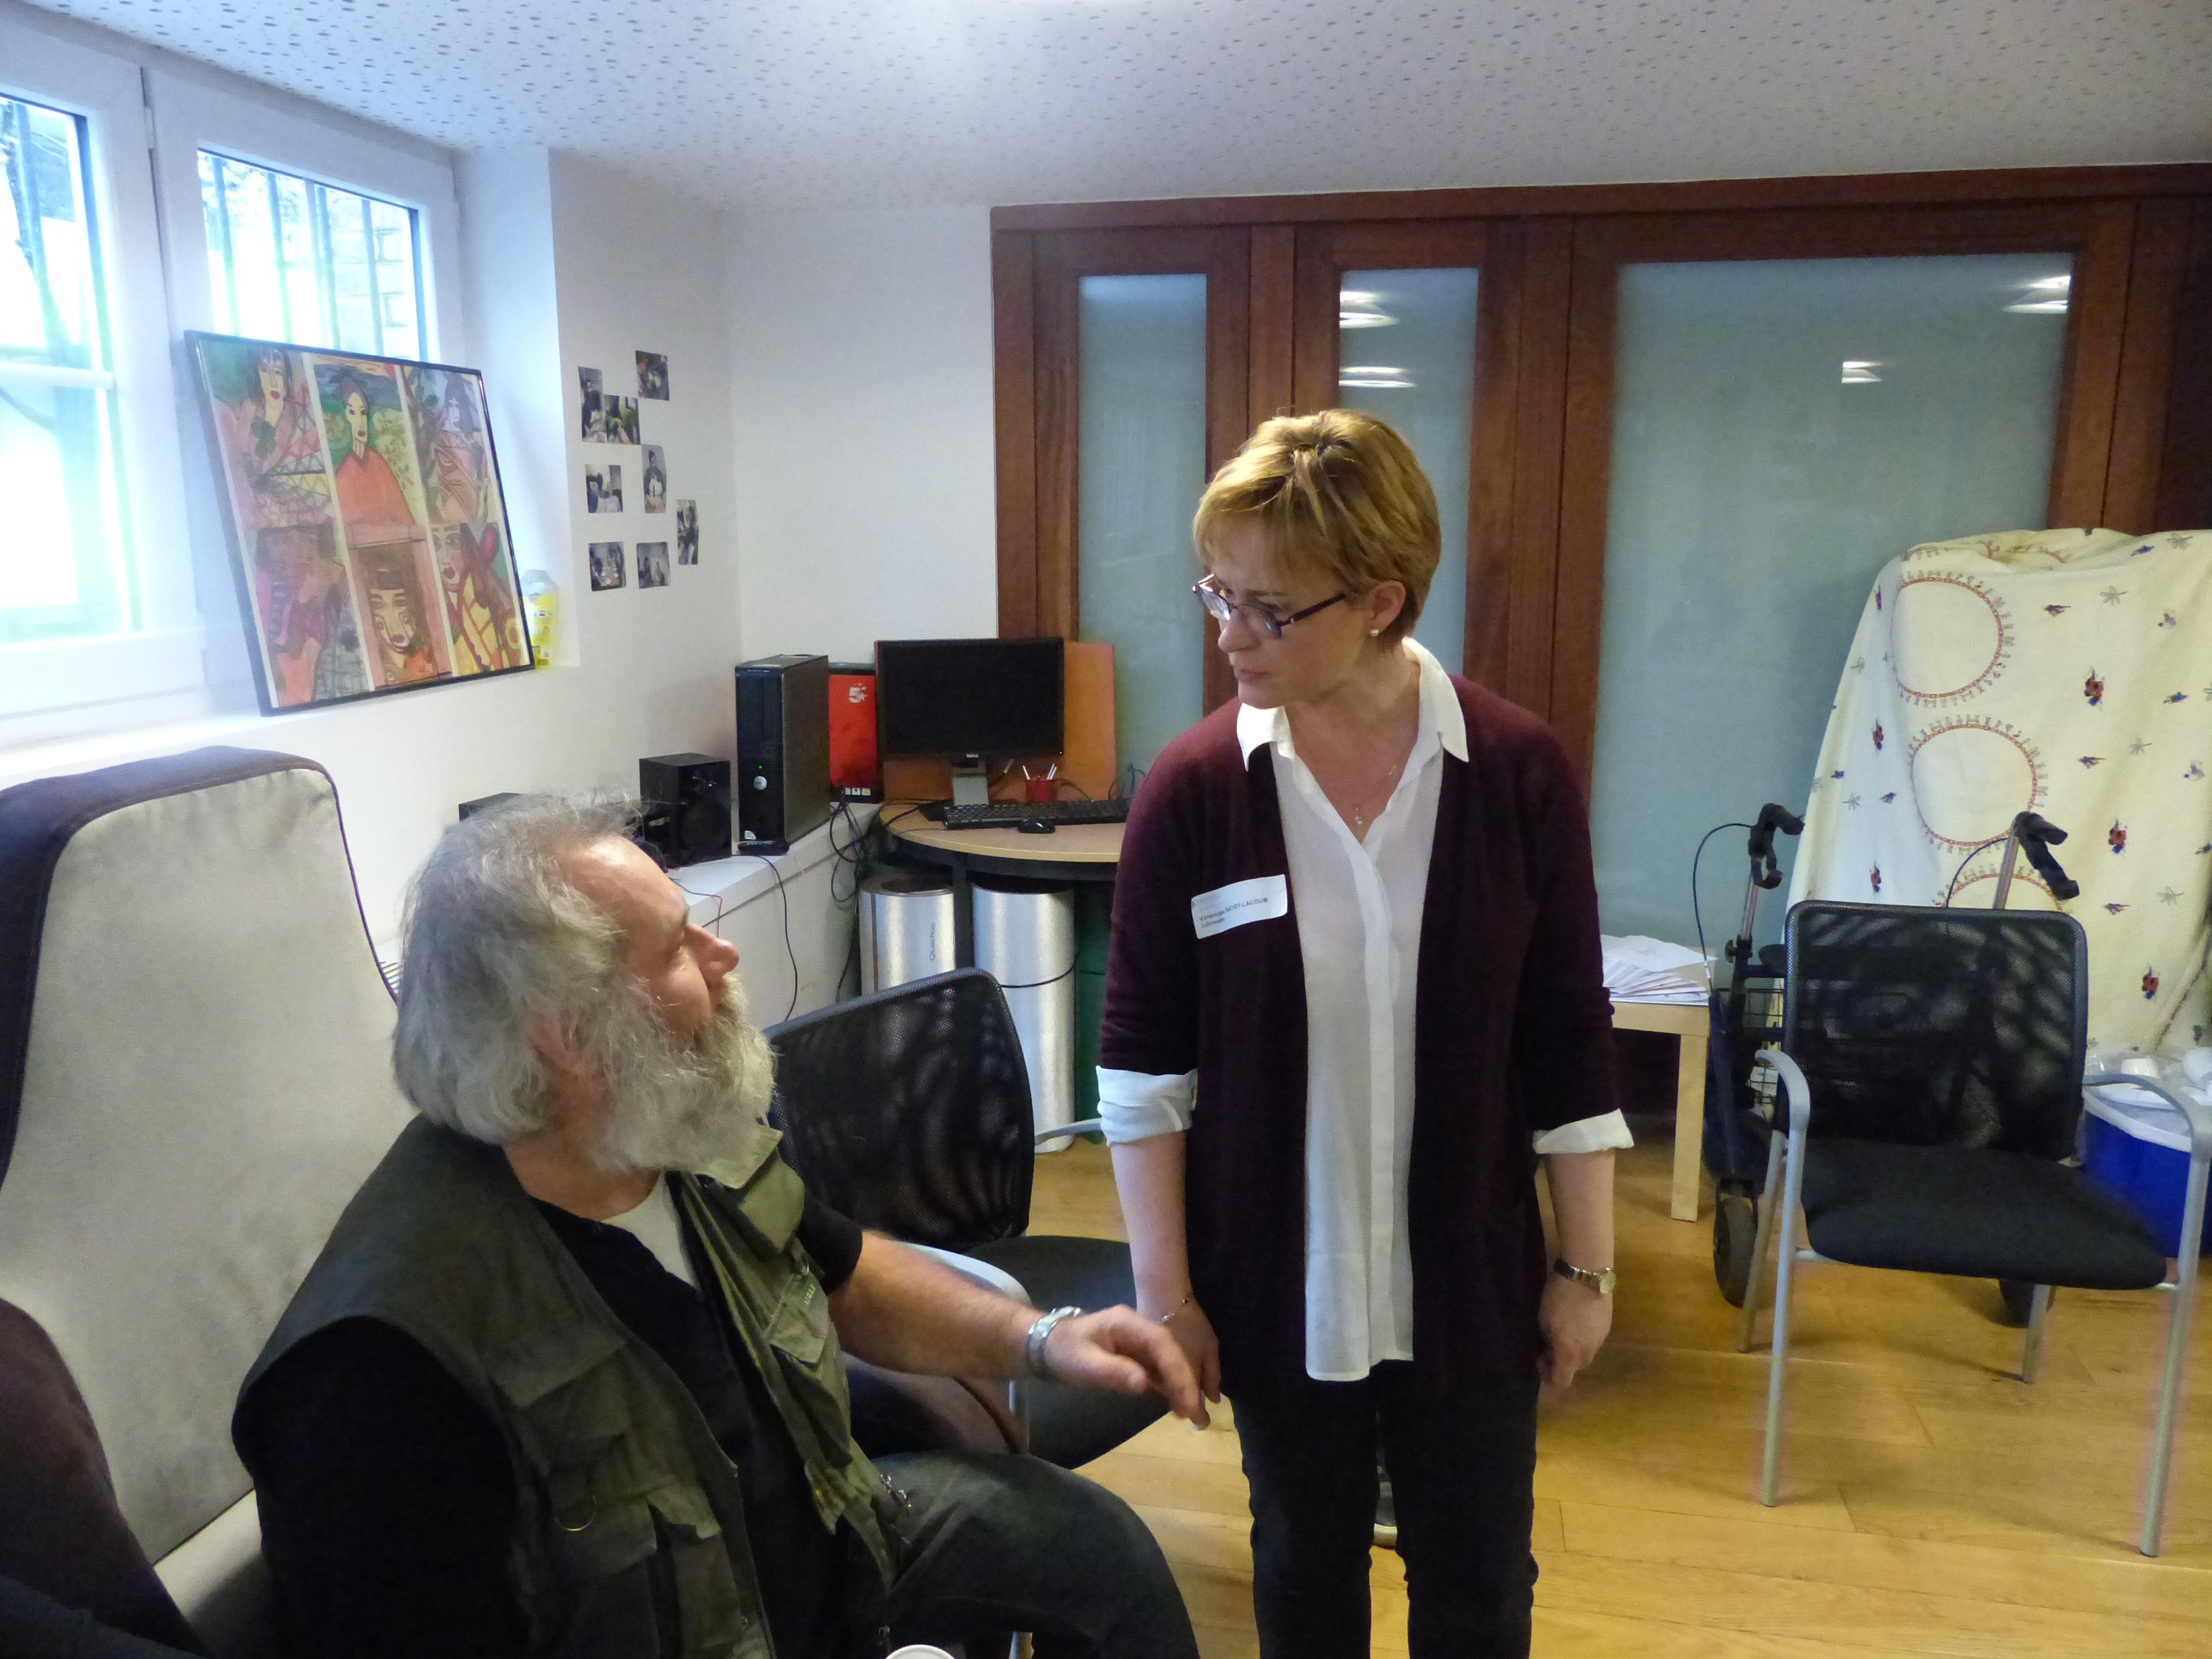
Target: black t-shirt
(387, 1499)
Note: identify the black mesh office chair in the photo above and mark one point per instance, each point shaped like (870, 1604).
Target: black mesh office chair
(908, 1110)
(1932, 1062)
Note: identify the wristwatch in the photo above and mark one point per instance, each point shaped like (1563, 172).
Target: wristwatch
(1600, 1279)
(1039, 1332)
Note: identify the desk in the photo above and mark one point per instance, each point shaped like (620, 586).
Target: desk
(1090, 852)
(1073, 853)
(1689, 1022)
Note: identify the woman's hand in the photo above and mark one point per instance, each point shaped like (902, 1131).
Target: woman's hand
(1574, 1320)
(1193, 1334)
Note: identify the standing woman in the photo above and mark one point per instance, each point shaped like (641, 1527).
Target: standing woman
(1354, 991)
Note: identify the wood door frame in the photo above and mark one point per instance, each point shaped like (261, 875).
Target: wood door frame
(1039, 385)
(1325, 253)
(2099, 234)
(1953, 188)
(2135, 420)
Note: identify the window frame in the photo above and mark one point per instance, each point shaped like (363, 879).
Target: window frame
(189, 117)
(164, 655)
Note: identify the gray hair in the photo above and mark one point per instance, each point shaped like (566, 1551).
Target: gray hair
(495, 936)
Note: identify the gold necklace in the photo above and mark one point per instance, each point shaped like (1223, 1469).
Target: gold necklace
(1358, 816)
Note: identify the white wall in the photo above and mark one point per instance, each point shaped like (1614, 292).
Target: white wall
(862, 380)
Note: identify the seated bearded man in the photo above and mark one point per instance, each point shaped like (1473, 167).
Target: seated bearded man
(567, 1379)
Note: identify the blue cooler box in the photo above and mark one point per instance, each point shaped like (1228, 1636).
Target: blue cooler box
(2140, 1149)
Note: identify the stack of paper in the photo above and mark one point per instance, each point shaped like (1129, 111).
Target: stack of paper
(1638, 969)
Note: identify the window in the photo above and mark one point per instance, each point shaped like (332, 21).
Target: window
(289, 258)
(65, 572)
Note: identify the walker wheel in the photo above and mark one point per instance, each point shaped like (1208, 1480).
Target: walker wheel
(1735, 1231)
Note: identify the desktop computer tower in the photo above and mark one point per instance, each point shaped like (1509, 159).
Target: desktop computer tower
(783, 750)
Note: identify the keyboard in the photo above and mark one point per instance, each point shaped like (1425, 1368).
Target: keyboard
(1008, 814)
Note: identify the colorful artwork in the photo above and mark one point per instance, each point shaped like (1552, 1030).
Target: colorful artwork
(687, 531)
(368, 522)
(483, 614)
(452, 444)
(405, 642)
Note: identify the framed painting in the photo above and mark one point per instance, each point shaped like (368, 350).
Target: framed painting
(368, 532)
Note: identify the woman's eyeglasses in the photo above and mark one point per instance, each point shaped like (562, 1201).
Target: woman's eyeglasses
(1221, 608)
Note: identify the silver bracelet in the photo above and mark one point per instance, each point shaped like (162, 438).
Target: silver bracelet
(1040, 1333)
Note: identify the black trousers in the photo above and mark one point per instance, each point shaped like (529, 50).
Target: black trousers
(1462, 1465)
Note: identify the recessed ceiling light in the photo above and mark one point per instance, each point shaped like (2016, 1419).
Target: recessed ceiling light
(2058, 284)
(1376, 376)
(1356, 308)
(2035, 308)
(1859, 371)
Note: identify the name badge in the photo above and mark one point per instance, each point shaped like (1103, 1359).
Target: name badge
(1261, 899)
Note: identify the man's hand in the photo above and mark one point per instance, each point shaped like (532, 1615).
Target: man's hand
(1574, 1320)
(1120, 1349)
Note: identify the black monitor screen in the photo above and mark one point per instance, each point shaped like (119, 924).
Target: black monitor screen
(971, 696)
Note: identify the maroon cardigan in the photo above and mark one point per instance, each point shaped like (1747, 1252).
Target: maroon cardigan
(1513, 1034)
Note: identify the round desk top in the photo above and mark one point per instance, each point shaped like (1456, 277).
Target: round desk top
(1069, 843)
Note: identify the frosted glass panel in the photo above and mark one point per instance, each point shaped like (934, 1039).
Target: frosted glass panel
(1406, 354)
(1142, 466)
(1781, 430)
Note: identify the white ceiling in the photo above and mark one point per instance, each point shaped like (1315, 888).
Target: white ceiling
(897, 102)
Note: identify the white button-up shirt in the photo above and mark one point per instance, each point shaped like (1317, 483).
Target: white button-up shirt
(1359, 910)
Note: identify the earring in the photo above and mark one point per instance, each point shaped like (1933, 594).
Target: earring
(1373, 633)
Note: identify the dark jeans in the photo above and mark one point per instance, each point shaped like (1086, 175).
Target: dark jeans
(998, 1543)
(1462, 1465)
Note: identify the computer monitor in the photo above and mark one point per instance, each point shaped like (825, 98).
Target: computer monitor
(953, 699)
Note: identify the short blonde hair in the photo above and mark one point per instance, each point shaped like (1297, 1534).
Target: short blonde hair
(1339, 494)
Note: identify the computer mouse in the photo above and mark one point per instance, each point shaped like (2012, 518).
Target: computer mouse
(1038, 827)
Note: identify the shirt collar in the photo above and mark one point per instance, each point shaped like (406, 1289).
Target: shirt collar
(1441, 713)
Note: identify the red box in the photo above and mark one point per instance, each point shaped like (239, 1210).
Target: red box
(855, 772)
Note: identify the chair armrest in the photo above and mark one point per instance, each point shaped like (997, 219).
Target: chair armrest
(1800, 1092)
(997, 1280)
(2199, 1117)
(1089, 1126)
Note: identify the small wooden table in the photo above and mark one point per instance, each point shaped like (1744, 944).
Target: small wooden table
(1073, 853)
(1687, 1021)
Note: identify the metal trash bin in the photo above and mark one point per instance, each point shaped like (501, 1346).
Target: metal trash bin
(906, 929)
(1025, 940)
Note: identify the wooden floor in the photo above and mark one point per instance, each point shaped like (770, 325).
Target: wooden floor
(1933, 1504)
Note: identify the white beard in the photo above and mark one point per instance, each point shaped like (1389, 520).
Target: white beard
(678, 1106)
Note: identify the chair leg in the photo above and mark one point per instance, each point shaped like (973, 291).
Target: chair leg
(2031, 1353)
(2177, 1359)
(1748, 1321)
(1777, 1365)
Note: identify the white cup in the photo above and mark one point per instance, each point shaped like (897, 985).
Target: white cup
(919, 1650)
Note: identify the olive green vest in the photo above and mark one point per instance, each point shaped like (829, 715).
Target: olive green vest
(627, 1504)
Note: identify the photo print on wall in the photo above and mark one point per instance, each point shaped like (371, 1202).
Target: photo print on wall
(656, 480)
(621, 420)
(653, 376)
(687, 531)
(603, 488)
(368, 531)
(594, 429)
(606, 566)
(653, 564)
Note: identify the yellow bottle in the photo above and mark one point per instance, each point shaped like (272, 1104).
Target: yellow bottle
(541, 598)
